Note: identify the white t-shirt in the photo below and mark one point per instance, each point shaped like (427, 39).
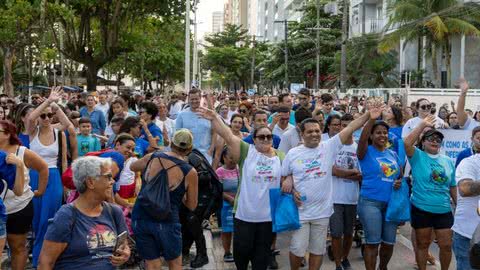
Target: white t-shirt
(414, 122)
(259, 174)
(175, 109)
(346, 191)
(311, 169)
(104, 109)
(127, 176)
(230, 114)
(325, 137)
(290, 139)
(470, 124)
(466, 217)
(277, 130)
(12, 202)
(169, 124)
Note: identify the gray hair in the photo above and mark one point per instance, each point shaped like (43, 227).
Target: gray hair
(87, 167)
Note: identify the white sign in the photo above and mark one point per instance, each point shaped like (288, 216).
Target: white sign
(455, 141)
(295, 87)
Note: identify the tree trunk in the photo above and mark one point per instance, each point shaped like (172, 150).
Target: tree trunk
(91, 73)
(435, 66)
(8, 55)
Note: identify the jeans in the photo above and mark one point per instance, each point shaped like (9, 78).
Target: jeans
(376, 229)
(252, 243)
(461, 248)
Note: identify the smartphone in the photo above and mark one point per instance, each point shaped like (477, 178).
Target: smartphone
(121, 238)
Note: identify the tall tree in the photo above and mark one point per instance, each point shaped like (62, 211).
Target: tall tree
(18, 19)
(97, 32)
(438, 21)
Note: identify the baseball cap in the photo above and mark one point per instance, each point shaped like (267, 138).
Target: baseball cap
(183, 139)
(432, 132)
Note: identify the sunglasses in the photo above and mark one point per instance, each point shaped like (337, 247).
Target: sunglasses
(435, 139)
(45, 115)
(264, 137)
(242, 111)
(426, 107)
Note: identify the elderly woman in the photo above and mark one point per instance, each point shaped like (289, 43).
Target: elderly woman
(83, 234)
(50, 144)
(260, 170)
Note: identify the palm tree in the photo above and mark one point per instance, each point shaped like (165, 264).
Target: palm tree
(438, 21)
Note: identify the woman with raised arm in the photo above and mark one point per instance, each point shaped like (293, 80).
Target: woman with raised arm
(380, 170)
(50, 144)
(260, 171)
(434, 186)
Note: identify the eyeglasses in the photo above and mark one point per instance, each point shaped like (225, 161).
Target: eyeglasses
(426, 107)
(109, 176)
(264, 137)
(2, 131)
(142, 111)
(45, 115)
(435, 139)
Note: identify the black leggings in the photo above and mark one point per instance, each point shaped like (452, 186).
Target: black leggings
(252, 243)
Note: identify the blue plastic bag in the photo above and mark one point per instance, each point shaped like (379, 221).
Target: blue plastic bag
(284, 211)
(398, 209)
(227, 217)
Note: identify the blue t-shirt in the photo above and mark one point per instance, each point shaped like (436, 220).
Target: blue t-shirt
(141, 147)
(201, 129)
(25, 140)
(432, 179)
(155, 131)
(97, 119)
(379, 170)
(90, 240)
(463, 155)
(275, 143)
(7, 173)
(87, 144)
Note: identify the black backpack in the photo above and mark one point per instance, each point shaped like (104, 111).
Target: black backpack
(208, 182)
(154, 197)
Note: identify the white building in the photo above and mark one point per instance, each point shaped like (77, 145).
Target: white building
(217, 21)
(370, 16)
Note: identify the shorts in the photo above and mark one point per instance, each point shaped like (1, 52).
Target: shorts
(376, 229)
(342, 221)
(3, 229)
(311, 237)
(156, 239)
(20, 222)
(423, 219)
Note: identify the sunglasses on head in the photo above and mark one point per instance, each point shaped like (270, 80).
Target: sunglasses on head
(426, 107)
(264, 137)
(45, 115)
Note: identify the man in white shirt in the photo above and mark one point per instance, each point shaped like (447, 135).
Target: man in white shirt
(280, 123)
(176, 105)
(466, 217)
(103, 105)
(307, 171)
(292, 137)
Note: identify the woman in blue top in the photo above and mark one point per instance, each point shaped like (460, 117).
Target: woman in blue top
(133, 126)
(380, 171)
(434, 186)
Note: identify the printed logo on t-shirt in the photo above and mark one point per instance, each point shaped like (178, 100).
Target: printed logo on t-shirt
(100, 238)
(84, 147)
(312, 167)
(264, 171)
(389, 169)
(438, 174)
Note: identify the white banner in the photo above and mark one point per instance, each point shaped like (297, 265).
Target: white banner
(455, 141)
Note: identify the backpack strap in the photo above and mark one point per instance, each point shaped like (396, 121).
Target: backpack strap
(74, 210)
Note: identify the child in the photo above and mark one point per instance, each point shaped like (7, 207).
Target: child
(115, 124)
(85, 140)
(228, 174)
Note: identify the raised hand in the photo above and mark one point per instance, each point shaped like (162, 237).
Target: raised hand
(430, 121)
(56, 94)
(463, 84)
(206, 113)
(376, 108)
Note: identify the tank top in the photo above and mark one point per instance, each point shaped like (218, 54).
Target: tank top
(176, 195)
(12, 202)
(48, 152)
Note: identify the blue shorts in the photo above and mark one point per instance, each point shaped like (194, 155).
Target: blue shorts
(376, 229)
(156, 239)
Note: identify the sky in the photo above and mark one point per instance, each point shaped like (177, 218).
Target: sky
(204, 15)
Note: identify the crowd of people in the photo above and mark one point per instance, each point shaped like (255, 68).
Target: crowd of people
(82, 170)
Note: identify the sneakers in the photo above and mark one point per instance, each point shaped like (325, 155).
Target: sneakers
(273, 264)
(199, 261)
(228, 257)
(346, 265)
